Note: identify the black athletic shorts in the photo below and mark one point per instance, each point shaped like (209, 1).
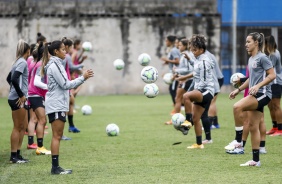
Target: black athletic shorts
(207, 98)
(276, 90)
(57, 115)
(263, 100)
(220, 81)
(36, 102)
(14, 106)
(185, 85)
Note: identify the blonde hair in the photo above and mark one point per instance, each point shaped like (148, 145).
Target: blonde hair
(22, 48)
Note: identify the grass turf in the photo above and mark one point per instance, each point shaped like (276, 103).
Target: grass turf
(144, 150)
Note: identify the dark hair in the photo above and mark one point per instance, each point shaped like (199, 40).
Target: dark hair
(49, 48)
(185, 42)
(259, 37)
(32, 46)
(39, 52)
(22, 48)
(40, 38)
(67, 42)
(76, 42)
(171, 38)
(198, 41)
(270, 44)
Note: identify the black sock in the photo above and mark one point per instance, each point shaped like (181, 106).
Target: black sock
(13, 154)
(279, 126)
(199, 140)
(255, 155)
(215, 120)
(274, 124)
(189, 117)
(30, 140)
(207, 126)
(55, 160)
(244, 143)
(262, 144)
(211, 120)
(18, 152)
(239, 135)
(70, 119)
(40, 142)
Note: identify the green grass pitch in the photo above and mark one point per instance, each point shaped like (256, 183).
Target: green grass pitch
(143, 152)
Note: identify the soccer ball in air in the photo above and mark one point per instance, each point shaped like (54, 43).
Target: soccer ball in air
(168, 78)
(177, 119)
(119, 64)
(87, 46)
(112, 129)
(235, 77)
(151, 90)
(144, 59)
(86, 110)
(149, 74)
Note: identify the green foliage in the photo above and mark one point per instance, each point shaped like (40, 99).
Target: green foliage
(143, 152)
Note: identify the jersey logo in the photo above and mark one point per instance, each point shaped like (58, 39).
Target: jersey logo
(254, 64)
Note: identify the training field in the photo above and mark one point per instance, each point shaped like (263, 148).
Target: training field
(143, 152)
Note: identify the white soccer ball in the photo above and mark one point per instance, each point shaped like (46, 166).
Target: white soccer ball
(149, 74)
(86, 110)
(112, 129)
(235, 77)
(151, 90)
(119, 64)
(87, 46)
(168, 78)
(177, 119)
(144, 59)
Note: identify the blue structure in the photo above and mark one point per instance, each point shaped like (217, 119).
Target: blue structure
(260, 15)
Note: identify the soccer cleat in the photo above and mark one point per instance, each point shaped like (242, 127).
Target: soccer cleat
(32, 146)
(277, 133)
(271, 131)
(207, 141)
(74, 130)
(22, 159)
(215, 126)
(196, 146)
(59, 170)
(262, 150)
(18, 160)
(187, 124)
(65, 138)
(251, 163)
(236, 151)
(42, 151)
(232, 145)
(168, 122)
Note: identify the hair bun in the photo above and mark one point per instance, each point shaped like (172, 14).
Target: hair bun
(39, 34)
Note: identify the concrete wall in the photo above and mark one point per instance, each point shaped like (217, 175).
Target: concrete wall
(112, 37)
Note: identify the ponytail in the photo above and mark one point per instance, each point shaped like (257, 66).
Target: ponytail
(45, 58)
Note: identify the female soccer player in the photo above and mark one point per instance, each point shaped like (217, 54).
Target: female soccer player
(203, 91)
(18, 80)
(261, 74)
(274, 104)
(185, 67)
(37, 89)
(57, 97)
(172, 60)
